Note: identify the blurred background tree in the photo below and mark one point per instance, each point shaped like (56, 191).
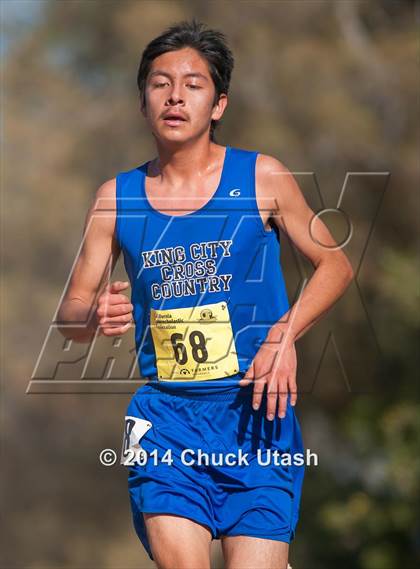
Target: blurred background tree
(326, 87)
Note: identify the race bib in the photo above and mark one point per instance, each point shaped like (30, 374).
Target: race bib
(194, 343)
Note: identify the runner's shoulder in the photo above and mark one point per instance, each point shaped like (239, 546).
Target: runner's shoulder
(105, 197)
(103, 208)
(269, 175)
(267, 166)
(107, 190)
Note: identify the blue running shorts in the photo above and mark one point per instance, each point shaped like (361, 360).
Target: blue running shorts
(209, 456)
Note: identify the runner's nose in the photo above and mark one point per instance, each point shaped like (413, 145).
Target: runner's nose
(175, 96)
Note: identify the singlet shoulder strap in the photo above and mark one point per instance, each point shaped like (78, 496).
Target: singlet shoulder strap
(127, 183)
(127, 197)
(240, 176)
(240, 163)
(240, 184)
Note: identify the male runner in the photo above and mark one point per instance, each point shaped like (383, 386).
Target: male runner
(198, 228)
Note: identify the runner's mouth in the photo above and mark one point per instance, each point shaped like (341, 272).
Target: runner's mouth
(174, 119)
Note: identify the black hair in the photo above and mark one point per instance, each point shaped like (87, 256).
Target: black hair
(211, 44)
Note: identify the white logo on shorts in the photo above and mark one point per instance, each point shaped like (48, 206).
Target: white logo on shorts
(135, 429)
(235, 192)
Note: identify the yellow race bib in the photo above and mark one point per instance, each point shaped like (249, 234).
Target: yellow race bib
(194, 343)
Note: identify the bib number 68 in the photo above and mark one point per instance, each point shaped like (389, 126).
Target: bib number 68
(198, 347)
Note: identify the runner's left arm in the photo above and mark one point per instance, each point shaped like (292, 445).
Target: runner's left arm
(333, 272)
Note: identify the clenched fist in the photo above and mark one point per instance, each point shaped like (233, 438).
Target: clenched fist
(114, 313)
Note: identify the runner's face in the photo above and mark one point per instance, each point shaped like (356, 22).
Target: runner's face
(179, 96)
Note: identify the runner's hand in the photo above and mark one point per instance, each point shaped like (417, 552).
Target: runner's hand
(114, 313)
(274, 365)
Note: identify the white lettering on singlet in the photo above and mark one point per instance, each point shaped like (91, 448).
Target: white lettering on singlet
(180, 276)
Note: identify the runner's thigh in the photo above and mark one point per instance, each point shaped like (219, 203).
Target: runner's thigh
(244, 552)
(178, 542)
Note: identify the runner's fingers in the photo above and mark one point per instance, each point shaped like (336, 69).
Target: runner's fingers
(293, 389)
(110, 288)
(121, 319)
(117, 286)
(118, 299)
(282, 400)
(259, 385)
(115, 310)
(117, 330)
(111, 291)
(107, 309)
(272, 396)
(107, 300)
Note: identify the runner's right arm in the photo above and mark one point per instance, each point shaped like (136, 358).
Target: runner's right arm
(87, 303)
